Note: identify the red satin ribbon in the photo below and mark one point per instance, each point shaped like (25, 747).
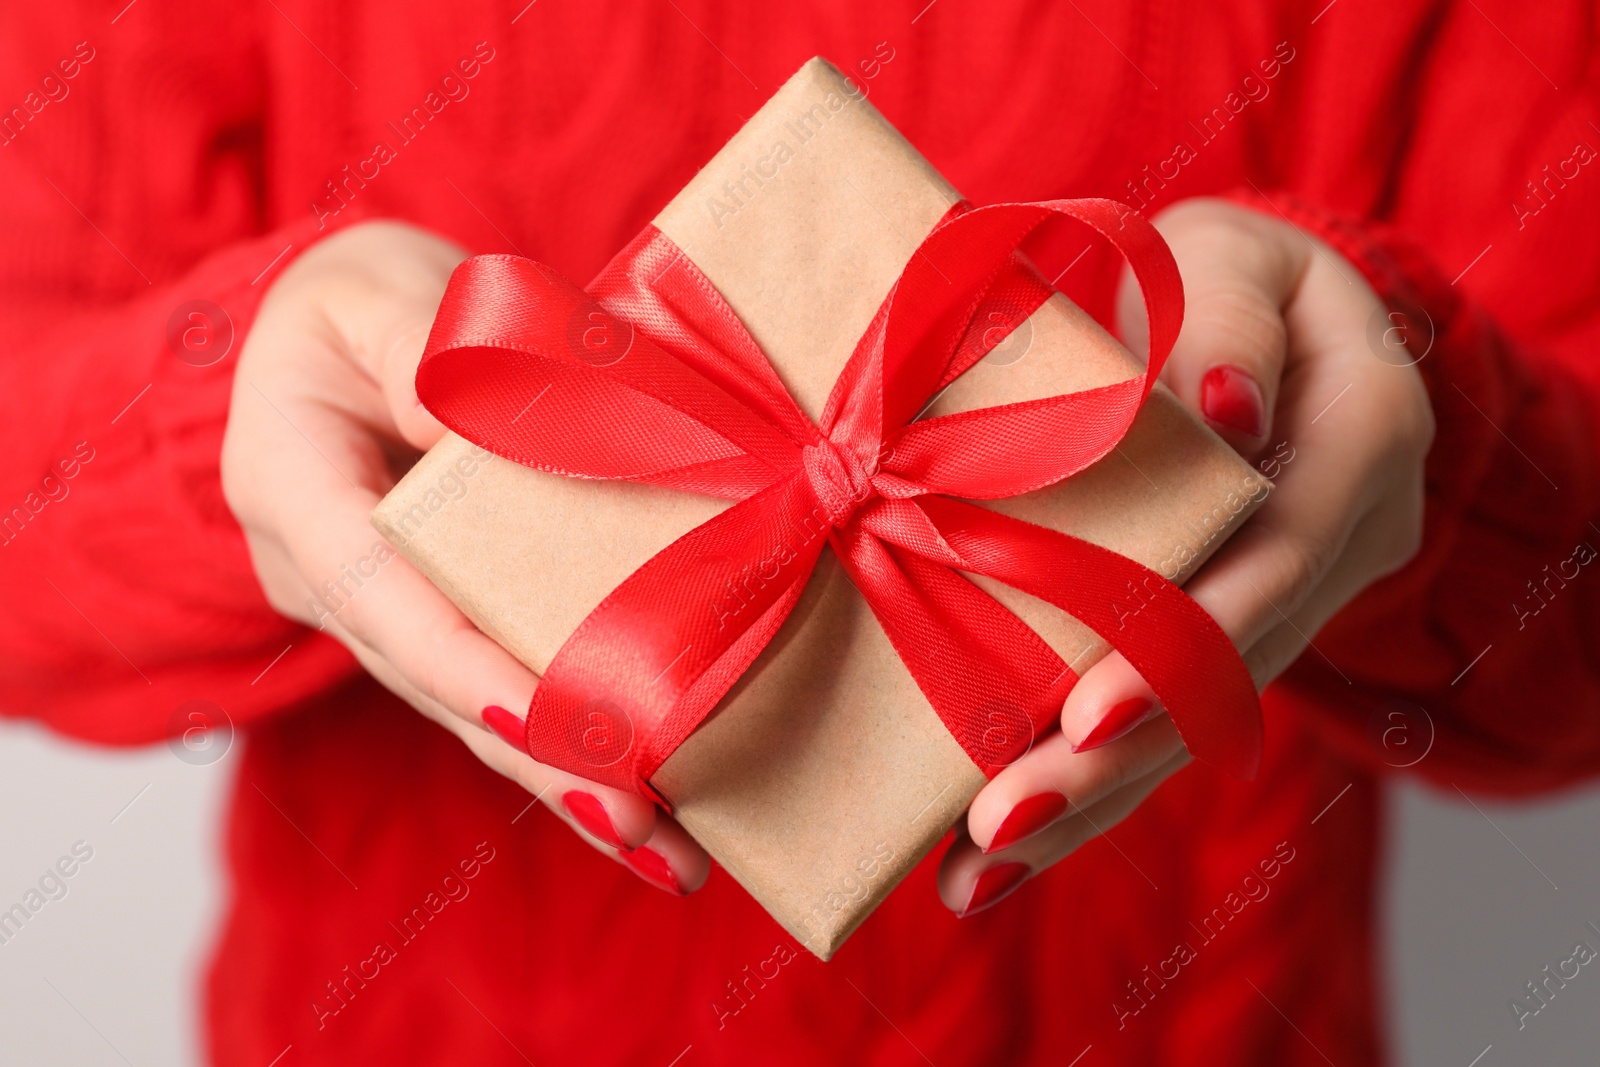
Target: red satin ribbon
(651, 377)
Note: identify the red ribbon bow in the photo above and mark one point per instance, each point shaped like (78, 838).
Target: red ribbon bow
(651, 377)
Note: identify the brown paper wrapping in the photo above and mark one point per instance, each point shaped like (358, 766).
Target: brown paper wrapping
(824, 776)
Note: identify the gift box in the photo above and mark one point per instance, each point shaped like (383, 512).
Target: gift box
(824, 774)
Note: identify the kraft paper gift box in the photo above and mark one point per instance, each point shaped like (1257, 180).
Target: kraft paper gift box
(824, 776)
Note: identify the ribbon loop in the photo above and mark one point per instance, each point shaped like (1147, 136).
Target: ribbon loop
(527, 365)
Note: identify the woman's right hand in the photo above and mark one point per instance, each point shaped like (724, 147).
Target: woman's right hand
(324, 417)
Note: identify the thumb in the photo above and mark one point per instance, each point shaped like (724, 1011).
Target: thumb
(401, 353)
(1239, 269)
(381, 283)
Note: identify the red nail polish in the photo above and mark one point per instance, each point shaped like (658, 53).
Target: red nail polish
(507, 726)
(992, 885)
(590, 814)
(1230, 397)
(1118, 722)
(1027, 818)
(653, 867)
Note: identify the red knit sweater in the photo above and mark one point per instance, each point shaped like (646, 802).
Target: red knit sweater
(183, 151)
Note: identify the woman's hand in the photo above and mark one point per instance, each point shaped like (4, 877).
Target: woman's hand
(324, 418)
(1274, 355)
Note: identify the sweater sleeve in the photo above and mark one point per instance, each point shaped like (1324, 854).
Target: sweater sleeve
(1477, 665)
(133, 200)
(129, 585)
(1450, 155)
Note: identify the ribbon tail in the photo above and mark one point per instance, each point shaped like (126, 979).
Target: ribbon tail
(658, 653)
(994, 683)
(1169, 639)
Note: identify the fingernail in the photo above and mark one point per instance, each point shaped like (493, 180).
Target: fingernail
(1230, 397)
(1026, 819)
(507, 726)
(993, 885)
(1118, 722)
(653, 867)
(590, 814)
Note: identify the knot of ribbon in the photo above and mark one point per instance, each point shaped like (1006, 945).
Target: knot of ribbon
(649, 376)
(838, 477)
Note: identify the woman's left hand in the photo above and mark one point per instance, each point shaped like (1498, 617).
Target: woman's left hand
(1274, 355)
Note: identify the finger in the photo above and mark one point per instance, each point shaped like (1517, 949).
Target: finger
(380, 299)
(1239, 271)
(382, 601)
(659, 851)
(1344, 465)
(334, 567)
(420, 646)
(286, 591)
(387, 330)
(287, 451)
(1256, 580)
(604, 816)
(970, 881)
(398, 370)
(1276, 650)
(306, 468)
(671, 860)
(662, 854)
(415, 641)
(1038, 789)
(414, 287)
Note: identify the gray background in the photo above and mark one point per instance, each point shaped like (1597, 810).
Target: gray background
(1478, 900)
